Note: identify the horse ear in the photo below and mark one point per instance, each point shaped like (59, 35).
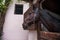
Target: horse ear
(31, 1)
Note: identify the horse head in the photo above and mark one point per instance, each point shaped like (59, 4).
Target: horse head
(31, 18)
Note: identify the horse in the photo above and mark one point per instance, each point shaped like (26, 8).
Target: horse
(46, 14)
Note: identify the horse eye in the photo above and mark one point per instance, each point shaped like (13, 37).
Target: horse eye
(29, 13)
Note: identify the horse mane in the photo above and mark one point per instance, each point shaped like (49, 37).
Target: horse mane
(52, 5)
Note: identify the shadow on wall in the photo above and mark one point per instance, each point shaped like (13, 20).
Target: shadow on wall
(2, 18)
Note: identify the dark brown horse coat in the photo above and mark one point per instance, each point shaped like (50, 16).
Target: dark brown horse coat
(49, 19)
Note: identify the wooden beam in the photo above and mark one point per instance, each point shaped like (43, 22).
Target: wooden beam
(49, 36)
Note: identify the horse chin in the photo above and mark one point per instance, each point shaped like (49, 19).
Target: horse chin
(24, 26)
